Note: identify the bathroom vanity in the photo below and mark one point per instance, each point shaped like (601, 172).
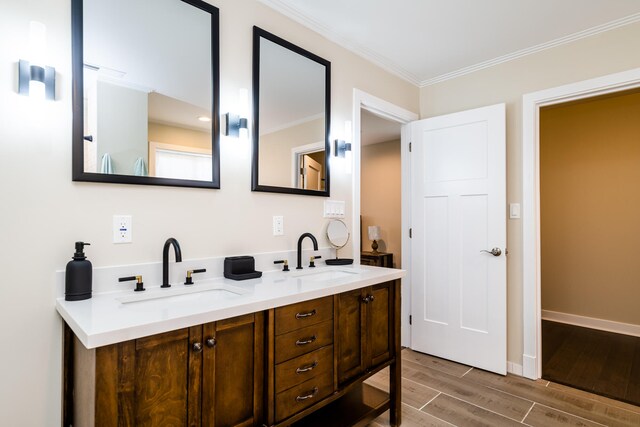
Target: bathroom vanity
(289, 348)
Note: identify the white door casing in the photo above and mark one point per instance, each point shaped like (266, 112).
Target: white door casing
(458, 198)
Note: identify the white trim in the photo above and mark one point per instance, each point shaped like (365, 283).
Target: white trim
(592, 323)
(363, 100)
(531, 104)
(514, 368)
(534, 49)
(393, 68)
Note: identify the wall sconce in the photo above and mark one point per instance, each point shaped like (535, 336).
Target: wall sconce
(41, 76)
(45, 75)
(341, 147)
(233, 123)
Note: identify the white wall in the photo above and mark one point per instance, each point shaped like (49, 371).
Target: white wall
(602, 54)
(43, 212)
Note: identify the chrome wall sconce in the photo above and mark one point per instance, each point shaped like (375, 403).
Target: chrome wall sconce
(45, 75)
(341, 147)
(232, 123)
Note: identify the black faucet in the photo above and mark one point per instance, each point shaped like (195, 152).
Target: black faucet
(165, 259)
(315, 247)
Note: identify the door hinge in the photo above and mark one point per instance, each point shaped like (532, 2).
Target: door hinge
(411, 233)
(410, 319)
(409, 147)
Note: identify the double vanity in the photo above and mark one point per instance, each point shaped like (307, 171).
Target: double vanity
(289, 348)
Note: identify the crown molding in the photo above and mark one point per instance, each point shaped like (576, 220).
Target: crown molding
(388, 65)
(534, 49)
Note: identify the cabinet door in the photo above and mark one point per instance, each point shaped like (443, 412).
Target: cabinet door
(144, 382)
(350, 314)
(379, 324)
(233, 372)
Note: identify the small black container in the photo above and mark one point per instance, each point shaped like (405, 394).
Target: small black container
(78, 276)
(241, 268)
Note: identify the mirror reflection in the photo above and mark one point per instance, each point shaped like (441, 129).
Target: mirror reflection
(292, 117)
(148, 89)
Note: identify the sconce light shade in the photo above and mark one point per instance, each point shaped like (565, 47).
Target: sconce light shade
(232, 123)
(341, 147)
(28, 73)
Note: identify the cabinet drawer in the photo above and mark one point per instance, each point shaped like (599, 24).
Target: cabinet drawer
(303, 368)
(303, 395)
(299, 315)
(303, 340)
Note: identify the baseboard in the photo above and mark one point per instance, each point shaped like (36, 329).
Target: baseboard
(529, 367)
(514, 368)
(592, 323)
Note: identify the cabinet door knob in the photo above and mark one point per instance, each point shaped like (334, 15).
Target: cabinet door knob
(197, 347)
(366, 299)
(309, 395)
(305, 341)
(211, 342)
(371, 298)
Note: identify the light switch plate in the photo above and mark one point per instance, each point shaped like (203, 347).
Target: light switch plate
(514, 210)
(334, 209)
(122, 229)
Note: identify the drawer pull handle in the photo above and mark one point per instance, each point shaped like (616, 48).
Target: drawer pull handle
(305, 341)
(309, 395)
(307, 368)
(307, 314)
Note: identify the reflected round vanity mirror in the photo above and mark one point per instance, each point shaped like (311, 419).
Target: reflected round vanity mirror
(291, 88)
(145, 92)
(338, 236)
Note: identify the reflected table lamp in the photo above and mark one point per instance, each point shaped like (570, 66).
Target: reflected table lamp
(374, 235)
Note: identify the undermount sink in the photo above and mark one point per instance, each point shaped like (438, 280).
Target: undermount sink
(182, 294)
(322, 275)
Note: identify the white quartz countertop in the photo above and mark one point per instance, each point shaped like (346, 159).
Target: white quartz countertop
(112, 317)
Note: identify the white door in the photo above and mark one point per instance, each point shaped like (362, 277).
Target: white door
(458, 214)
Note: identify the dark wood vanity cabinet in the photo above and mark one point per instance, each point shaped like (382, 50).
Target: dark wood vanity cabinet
(364, 330)
(303, 364)
(206, 375)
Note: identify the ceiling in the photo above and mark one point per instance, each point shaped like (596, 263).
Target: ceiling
(427, 41)
(375, 129)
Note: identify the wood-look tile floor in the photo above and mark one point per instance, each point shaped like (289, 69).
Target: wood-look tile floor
(438, 392)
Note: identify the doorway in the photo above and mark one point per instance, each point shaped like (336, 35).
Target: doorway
(589, 232)
(531, 252)
(386, 110)
(380, 191)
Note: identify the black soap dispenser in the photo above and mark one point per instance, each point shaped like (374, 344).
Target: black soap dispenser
(78, 276)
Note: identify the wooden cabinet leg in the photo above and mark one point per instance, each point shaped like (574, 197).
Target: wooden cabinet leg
(395, 392)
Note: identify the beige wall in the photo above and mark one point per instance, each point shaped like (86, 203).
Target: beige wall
(590, 207)
(606, 53)
(275, 161)
(380, 196)
(175, 135)
(44, 212)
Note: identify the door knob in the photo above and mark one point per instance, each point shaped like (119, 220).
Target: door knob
(494, 251)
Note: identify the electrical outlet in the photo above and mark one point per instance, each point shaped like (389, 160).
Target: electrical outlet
(122, 229)
(278, 226)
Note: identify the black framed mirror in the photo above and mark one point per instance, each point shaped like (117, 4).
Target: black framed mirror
(146, 92)
(291, 118)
